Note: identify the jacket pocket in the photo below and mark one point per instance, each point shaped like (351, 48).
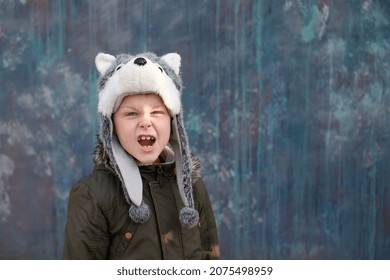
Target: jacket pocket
(192, 243)
(122, 241)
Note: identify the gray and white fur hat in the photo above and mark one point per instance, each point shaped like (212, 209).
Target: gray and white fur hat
(125, 75)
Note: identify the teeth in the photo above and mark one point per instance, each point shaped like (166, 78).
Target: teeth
(146, 138)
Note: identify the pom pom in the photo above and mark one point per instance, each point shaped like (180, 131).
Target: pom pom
(139, 214)
(189, 217)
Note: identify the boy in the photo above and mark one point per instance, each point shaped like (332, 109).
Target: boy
(145, 198)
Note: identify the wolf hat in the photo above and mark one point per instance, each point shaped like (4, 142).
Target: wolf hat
(125, 75)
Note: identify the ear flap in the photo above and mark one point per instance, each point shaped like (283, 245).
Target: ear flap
(188, 215)
(103, 61)
(173, 60)
(127, 171)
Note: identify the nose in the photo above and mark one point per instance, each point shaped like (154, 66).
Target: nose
(140, 61)
(145, 123)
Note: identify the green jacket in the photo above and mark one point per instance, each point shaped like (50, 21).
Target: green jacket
(98, 225)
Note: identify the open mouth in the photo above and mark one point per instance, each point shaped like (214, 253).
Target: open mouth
(146, 141)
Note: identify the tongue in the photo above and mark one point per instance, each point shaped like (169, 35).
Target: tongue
(146, 142)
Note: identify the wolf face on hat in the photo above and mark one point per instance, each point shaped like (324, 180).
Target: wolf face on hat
(145, 73)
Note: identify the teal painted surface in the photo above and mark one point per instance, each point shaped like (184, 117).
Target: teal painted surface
(286, 104)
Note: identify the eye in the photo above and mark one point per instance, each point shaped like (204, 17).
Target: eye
(160, 69)
(118, 67)
(159, 112)
(131, 114)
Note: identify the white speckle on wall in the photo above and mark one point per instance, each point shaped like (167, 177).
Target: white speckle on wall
(7, 167)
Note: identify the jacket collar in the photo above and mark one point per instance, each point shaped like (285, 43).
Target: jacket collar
(101, 159)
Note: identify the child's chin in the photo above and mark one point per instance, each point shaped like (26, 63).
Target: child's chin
(148, 155)
(148, 159)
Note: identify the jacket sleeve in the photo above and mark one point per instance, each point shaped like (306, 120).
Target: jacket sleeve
(86, 230)
(207, 226)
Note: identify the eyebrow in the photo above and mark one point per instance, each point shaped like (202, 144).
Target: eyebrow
(127, 107)
(160, 106)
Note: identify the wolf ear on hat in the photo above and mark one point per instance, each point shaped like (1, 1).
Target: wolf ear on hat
(103, 61)
(173, 60)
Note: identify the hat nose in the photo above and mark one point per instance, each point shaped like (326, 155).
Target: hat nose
(140, 61)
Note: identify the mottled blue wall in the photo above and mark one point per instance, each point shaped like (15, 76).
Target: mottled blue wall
(286, 103)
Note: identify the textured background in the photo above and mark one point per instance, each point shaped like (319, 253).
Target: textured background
(286, 103)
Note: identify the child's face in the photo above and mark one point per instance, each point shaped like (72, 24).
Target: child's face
(143, 126)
